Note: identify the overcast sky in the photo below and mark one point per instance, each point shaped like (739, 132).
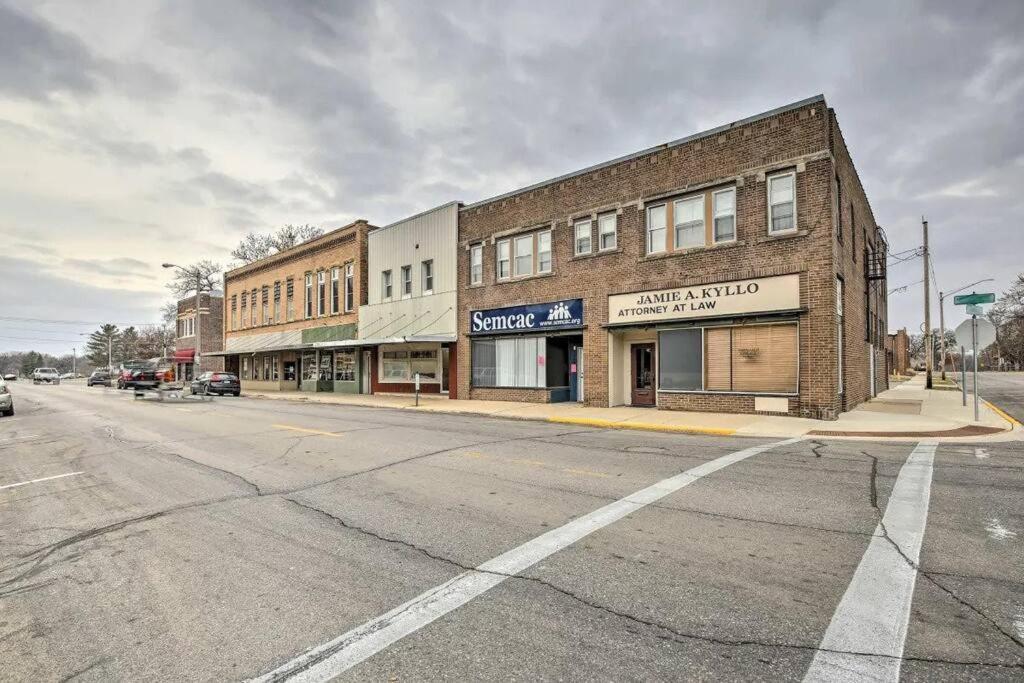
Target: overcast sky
(138, 132)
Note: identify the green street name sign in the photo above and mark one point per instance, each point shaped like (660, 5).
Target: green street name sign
(966, 299)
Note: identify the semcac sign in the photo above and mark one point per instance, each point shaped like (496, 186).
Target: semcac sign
(738, 297)
(556, 315)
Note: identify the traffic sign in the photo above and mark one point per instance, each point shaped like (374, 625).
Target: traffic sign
(973, 298)
(986, 333)
(975, 309)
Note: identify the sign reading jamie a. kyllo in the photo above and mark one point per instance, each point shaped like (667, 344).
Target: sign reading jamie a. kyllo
(757, 295)
(556, 315)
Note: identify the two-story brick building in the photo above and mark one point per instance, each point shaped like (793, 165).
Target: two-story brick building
(739, 269)
(209, 322)
(276, 309)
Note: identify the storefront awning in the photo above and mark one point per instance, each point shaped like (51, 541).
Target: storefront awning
(290, 340)
(183, 355)
(377, 341)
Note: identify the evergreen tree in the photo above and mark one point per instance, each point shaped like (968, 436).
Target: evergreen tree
(127, 344)
(96, 347)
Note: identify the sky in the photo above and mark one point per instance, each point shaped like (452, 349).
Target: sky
(134, 133)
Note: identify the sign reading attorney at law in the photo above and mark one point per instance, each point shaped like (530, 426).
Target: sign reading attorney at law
(757, 295)
(556, 315)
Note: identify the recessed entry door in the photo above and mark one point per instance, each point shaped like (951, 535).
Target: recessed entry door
(642, 378)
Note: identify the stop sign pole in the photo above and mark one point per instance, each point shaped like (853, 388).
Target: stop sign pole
(981, 334)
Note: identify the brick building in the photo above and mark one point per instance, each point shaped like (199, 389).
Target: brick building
(277, 308)
(739, 269)
(211, 335)
(897, 350)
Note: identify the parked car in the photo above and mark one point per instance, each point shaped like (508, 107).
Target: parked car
(10, 377)
(45, 376)
(6, 400)
(124, 377)
(217, 383)
(159, 374)
(100, 377)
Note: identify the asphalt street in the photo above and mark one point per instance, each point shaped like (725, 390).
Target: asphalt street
(236, 538)
(1004, 389)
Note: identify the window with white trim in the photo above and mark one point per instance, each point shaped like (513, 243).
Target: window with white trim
(350, 288)
(309, 295)
(723, 208)
(428, 276)
(335, 276)
(583, 231)
(406, 282)
(689, 222)
(656, 229)
(544, 251)
(782, 203)
(476, 264)
(504, 260)
(608, 231)
(524, 255)
(385, 284)
(321, 293)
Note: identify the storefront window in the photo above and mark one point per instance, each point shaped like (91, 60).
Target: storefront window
(326, 361)
(402, 366)
(308, 367)
(511, 362)
(345, 366)
(679, 367)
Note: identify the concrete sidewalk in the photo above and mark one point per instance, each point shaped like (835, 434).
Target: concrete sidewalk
(907, 411)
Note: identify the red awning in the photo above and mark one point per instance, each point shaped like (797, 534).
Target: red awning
(184, 355)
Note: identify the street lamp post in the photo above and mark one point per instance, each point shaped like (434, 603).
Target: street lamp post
(199, 290)
(942, 319)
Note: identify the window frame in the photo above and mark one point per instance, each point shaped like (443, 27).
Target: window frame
(335, 281)
(307, 309)
(427, 276)
(407, 281)
(588, 224)
(676, 224)
(516, 256)
(476, 264)
(550, 251)
(386, 285)
(321, 293)
(648, 231)
(768, 185)
(349, 290)
(507, 243)
(715, 216)
(614, 215)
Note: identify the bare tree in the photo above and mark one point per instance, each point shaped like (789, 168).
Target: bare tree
(255, 246)
(207, 273)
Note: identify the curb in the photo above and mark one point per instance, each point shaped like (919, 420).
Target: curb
(640, 426)
(1014, 422)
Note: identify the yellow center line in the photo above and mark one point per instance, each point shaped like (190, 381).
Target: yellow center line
(307, 431)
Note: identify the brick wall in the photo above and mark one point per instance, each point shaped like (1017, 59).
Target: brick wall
(334, 249)
(741, 155)
(211, 334)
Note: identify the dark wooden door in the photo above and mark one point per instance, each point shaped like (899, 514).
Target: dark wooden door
(642, 377)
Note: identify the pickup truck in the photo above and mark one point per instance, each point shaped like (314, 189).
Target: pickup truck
(45, 376)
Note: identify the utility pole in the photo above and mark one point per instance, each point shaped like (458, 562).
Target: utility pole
(199, 324)
(929, 351)
(74, 359)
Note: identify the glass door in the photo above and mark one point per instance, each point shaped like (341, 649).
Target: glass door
(642, 376)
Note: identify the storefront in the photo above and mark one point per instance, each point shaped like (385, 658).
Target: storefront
(184, 364)
(687, 346)
(532, 352)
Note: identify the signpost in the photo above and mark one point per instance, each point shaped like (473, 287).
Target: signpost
(977, 333)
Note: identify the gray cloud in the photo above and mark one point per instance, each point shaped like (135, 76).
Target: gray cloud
(380, 109)
(124, 267)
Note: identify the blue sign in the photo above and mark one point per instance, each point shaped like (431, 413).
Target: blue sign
(556, 315)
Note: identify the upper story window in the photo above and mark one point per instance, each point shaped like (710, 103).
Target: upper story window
(252, 308)
(782, 203)
(321, 293)
(524, 255)
(689, 220)
(427, 267)
(504, 260)
(245, 307)
(277, 302)
(234, 312)
(335, 273)
(309, 295)
(385, 284)
(265, 293)
(544, 251)
(350, 288)
(406, 282)
(607, 231)
(476, 264)
(656, 229)
(839, 210)
(582, 236)
(723, 208)
(289, 286)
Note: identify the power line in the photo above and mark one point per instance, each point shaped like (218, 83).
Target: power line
(45, 339)
(905, 287)
(54, 321)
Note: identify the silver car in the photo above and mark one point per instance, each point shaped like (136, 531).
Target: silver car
(45, 375)
(6, 400)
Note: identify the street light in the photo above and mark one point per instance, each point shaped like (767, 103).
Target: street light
(199, 289)
(942, 318)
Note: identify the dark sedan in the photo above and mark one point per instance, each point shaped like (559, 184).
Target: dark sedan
(99, 377)
(217, 383)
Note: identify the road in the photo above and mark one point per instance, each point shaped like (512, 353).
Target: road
(1004, 389)
(231, 539)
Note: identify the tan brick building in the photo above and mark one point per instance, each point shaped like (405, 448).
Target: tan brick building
(739, 269)
(277, 308)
